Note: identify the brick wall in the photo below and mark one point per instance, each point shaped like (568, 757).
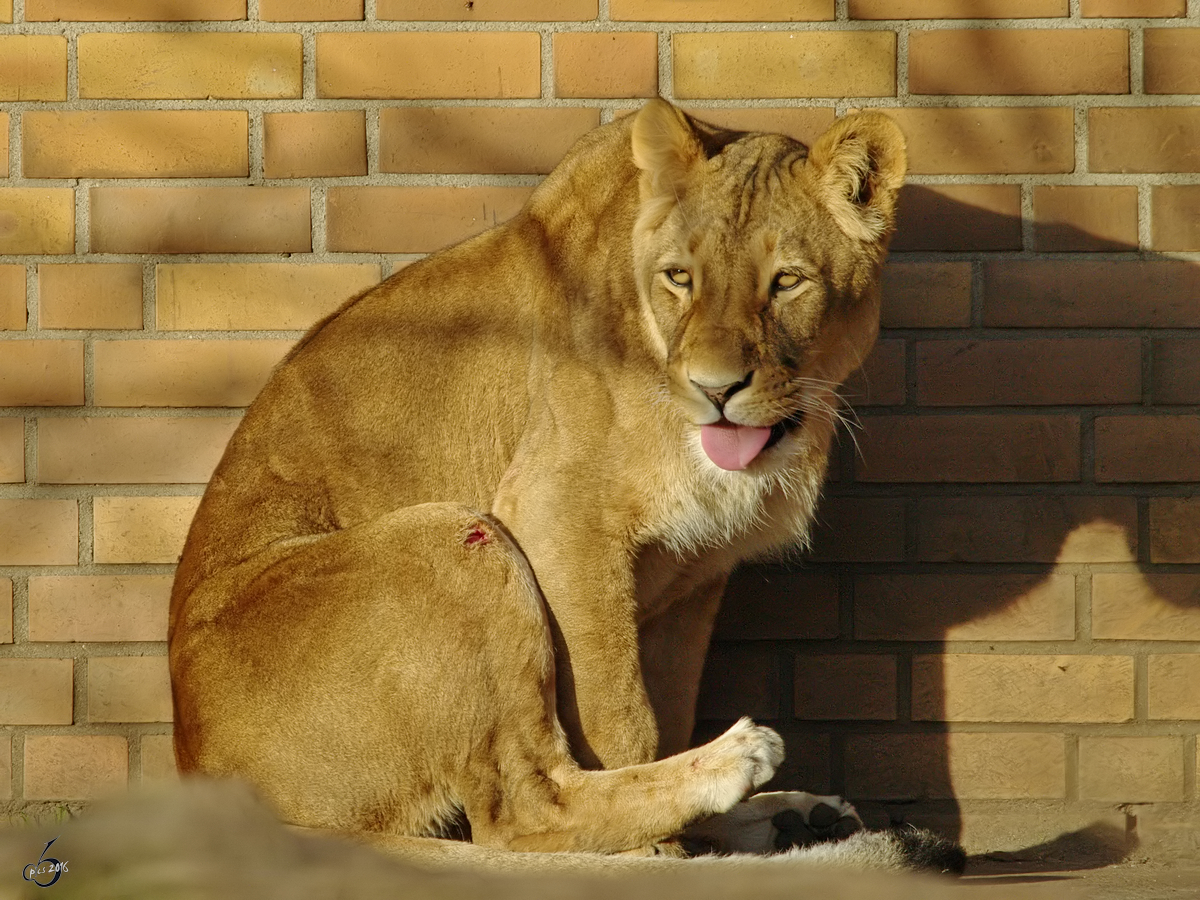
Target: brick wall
(1001, 613)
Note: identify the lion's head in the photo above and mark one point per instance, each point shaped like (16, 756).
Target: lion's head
(758, 269)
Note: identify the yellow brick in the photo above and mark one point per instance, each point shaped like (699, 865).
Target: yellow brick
(75, 767)
(90, 295)
(41, 373)
(135, 144)
(487, 10)
(3, 145)
(131, 451)
(183, 373)
(845, 686)
(1026, 529)
(416, 65)
(782, 64)
(315, 144)
(856, 529)
(1131, 769)
(129, 689)
(37, 220)
(158, 758)
(803, 124)
(33, 67)
(146, 65)
(1085, 217)
(12, 298)
(771, 602)
(36, 692)
(1011, 60)
(720, 10)
(479, 139)
(310, 10)
(5, 16)
(958, 217)
(926, 295)
(965, 607)
(254, 296)
(231, 219)
(12, 450)
(415, 219)
(141, 529)
(1175, 521)
(99, 607)
(987, 140)
(134, 10)
(6, 615)
(958, 765)
(39, 532)
(1173, 678)
(1146, 607)
(597, 64)
(957, 9)
(981, 687)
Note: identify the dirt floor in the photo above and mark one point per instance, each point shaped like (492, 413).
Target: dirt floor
(1146, 880)
(220, 842)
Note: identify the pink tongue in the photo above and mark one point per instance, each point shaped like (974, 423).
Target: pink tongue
(733, 447)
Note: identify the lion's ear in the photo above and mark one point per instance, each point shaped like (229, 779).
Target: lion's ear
(858, 166)
(665, 148)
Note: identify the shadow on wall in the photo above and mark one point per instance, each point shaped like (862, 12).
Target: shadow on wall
(1013, 511)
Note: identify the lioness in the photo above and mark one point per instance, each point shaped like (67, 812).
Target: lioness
(463, 555)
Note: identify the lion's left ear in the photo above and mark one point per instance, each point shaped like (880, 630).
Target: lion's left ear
(858, 166)
(665, 148)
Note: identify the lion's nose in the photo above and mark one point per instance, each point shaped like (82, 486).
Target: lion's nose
(719, 395)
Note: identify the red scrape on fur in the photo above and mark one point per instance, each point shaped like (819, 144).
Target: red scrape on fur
(476, 536)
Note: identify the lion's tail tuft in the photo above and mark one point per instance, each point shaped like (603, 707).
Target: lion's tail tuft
(906, 848)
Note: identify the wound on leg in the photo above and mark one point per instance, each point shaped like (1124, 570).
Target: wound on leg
(477, 536)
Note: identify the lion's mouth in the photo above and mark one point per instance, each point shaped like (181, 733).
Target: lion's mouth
(779, 429)
(733, 447)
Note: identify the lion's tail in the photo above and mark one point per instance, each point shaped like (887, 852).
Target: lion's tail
(907, 848)
(902, 849)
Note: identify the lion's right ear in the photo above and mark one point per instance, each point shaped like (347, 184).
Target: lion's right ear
(859, 166)
(665, 148)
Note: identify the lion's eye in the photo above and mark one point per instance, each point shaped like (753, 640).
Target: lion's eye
(679, 277)
(786, 281)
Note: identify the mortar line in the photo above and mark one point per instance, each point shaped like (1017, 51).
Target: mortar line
(372, 117)
(149, 301)
(18, 754)
(1141, 687)
(1143, 532)
(546, 61)
(1071, 752)
(1189, 767)
(1137, 61)
(666, 65)
(32, 299)
(20, 587)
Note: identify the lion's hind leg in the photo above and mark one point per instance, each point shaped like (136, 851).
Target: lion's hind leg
(377, 678)
(774, 821)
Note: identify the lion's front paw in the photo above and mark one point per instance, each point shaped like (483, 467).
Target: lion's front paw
(735, 763)
(770, 822)
(759, 748)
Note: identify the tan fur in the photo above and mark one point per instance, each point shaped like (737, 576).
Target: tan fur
(465, 549)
